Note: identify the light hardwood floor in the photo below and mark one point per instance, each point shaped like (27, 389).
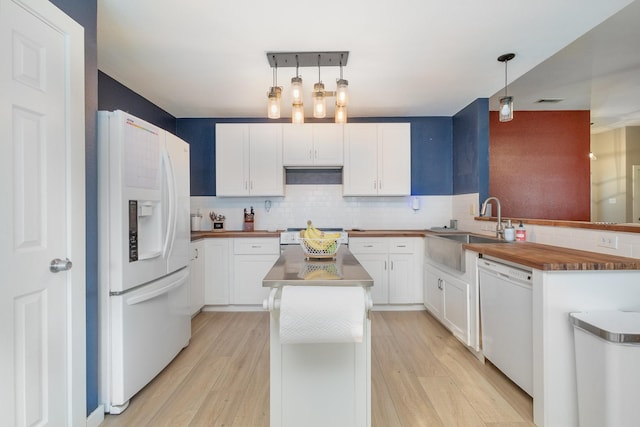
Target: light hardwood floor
(421, 376)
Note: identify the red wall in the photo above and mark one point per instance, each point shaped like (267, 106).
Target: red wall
(539, 164)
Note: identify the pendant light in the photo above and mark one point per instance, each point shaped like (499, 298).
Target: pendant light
(506, 102)
(274, 96)
(297, 105)
(319, 101)
(342, 98)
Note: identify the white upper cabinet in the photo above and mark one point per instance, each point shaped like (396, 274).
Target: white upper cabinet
(317, 144)
(249, 159)
(377, 159)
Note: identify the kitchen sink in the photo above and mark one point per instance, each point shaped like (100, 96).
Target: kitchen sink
(447, 248)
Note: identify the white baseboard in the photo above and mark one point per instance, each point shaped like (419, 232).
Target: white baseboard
(398, 307)
(96, 417)
(233, 308)
(376, 307)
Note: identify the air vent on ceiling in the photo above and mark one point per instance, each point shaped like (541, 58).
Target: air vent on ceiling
(549, 100)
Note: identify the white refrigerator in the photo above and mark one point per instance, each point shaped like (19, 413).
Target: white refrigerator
(143, 252)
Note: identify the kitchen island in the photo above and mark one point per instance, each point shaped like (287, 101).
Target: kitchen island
(320, 340)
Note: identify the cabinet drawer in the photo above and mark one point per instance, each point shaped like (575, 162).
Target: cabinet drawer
(364, 246)
(256, 246)
(401, 246)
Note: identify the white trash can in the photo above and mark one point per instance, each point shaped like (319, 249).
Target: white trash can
(607, 348)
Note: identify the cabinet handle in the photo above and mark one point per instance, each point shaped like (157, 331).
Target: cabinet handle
(385, 265)
(196, 253)
(368, 246)
(392, 265)
(251, 185)
(375, 183)
(310, 154)
(246, 185)
(380, 185)
(256, 246)
(316, 153)
(401, 246)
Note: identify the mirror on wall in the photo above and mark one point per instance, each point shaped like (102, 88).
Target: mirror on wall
(599, 72)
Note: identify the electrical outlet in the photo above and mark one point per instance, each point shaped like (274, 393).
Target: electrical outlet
(608, 241)
(472, 209)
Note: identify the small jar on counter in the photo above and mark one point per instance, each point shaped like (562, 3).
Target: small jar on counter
(509, 232)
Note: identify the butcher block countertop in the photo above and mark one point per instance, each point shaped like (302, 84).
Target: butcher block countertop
(196, 235)
(553, 258)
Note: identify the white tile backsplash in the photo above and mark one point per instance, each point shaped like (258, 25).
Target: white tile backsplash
(326, 207)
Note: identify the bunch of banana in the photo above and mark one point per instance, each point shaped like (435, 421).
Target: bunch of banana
(319, 240)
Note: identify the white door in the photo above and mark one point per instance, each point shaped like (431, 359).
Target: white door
(42, 313)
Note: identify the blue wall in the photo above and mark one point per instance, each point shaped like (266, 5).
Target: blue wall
(471, 149)
(115, 96)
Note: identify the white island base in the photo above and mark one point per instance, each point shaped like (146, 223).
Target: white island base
(319, 384)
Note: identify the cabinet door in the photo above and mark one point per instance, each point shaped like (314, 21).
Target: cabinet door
(456, 308)
(216, 271)
(328, 144)
(265, 160)
(433, 292)
(232, 161)
(196, 276)
(360, 173)
(394, 159)
(401, 279)
(377, 265)
(249, 270)
(297, 145)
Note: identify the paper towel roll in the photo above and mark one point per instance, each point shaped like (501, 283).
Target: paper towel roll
(322, 314)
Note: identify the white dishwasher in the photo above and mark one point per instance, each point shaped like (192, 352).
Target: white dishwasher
(506, 319)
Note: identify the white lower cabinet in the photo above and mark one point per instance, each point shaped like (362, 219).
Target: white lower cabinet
(395, 264)
(216, 271)
(252, 259)
(196, 276)
(448, 298)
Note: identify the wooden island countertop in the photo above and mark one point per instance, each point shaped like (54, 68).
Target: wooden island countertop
(553, 258)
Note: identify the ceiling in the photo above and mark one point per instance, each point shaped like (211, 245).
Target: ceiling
(207, 58)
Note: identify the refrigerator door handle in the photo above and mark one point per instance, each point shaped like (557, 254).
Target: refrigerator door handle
(172, 208)
(159, 291)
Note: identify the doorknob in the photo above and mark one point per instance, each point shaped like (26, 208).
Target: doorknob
(57, 265)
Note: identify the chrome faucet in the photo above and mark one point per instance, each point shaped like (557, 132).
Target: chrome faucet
(499, 228)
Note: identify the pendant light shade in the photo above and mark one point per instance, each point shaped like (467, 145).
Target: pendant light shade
(342, 93)
(296, 90)
(319, 101)
(506, 102)
(341, 114)
(273, 104)
(297, 114)
(506, 109)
